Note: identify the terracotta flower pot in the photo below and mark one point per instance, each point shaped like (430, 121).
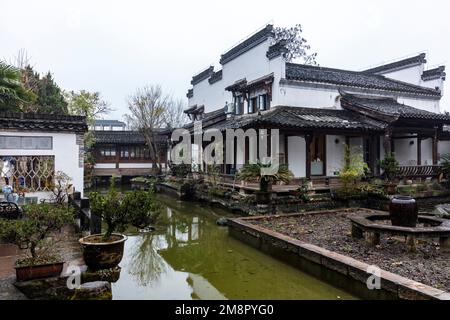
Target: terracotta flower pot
(99, 254)
(39, 271)
(403, 211)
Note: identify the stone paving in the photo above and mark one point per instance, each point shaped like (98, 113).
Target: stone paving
(66, 245)
(8, 256)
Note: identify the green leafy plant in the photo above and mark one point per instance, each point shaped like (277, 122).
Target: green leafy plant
(303, 190)
(390, 166)
(13, 95)
(180, 170)
(109, 208)
(353, 171)
(445, 163)
(33, 232)
(141, 208)
(254, 172)
(138, 208)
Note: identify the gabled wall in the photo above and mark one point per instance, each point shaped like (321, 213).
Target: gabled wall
(251, 65)
(412, 74)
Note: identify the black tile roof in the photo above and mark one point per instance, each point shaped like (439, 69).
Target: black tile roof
(216, 76)
(304, 118)
(276, 50)
(42, 122)
(116, 123)
(389, 108)
(356, 79)
(123, 137)
(209, 119)
(398, 64)
(435, 73)
(190, 93)
(205, 74)
(247, 44)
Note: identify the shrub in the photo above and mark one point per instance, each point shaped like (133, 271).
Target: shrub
(390, 166)
(33, 231)
(180, 170)
(109, 208)
(355, 168)
(303, 190)
(138, 208)
(141, 208)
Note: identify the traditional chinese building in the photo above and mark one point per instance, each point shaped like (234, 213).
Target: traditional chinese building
(33, 147)
(125, 154)
(393, 107)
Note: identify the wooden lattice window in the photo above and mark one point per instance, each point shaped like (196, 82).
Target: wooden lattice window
(30, 173)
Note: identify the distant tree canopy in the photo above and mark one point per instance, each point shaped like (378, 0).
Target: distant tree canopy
(23, 90)
(150, 110)
(14, 96)
(88, 104)
(295, 44)
(50, 98)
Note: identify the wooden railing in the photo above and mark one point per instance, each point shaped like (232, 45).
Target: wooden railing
(432, 171)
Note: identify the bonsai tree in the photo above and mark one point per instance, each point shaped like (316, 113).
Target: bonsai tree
(390, 166)
(61, 187)
(34, 230)
(254, 172)
(138, 208)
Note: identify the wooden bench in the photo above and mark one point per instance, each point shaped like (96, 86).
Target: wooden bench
(10, 210)
(415, 172)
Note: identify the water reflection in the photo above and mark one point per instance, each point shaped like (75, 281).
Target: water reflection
(146, 265)
(192, 258)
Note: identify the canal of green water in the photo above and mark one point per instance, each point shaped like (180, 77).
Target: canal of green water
(190, 257)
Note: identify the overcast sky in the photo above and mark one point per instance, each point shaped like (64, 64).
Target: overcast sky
(116, 46)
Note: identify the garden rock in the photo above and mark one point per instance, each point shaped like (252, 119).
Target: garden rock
(97, 290)
(222, 222)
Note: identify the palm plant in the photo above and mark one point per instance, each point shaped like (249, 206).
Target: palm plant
(255, 172)
(12, 93)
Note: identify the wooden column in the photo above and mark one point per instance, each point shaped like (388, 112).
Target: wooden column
(286, 149)
(435, 147)
(419, 150)
(308, 140)
(118, 150)
(373, 154)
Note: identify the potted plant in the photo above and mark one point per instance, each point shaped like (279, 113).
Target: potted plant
(32, 232)
(390, 166)
(255, 172)
(139, 208)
